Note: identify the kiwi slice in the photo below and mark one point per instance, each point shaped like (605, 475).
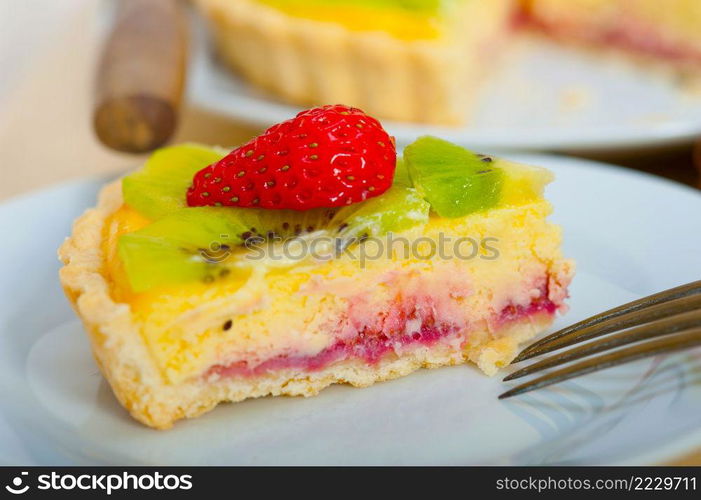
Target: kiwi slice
(398, 209)
(455, 181)
(160, 187)
(401, 174)
(204, 244)
(191, 244)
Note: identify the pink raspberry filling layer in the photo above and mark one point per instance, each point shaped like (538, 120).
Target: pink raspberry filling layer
(371, 346)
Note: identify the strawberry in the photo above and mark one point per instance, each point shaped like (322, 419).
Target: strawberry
(324, 157)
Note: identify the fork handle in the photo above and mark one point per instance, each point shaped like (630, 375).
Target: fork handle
(141, 76)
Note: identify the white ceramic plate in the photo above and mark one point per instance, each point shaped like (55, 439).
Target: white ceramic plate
(543, 98)
(631, 234)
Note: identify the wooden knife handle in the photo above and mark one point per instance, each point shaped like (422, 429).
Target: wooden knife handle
(141, 76)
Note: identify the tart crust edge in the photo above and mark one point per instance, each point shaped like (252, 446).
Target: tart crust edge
(307, 62)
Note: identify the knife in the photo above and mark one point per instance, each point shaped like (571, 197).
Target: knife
(141, 75)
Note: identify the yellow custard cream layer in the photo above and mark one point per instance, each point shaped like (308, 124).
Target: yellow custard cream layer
(403, 19)
(299, 308)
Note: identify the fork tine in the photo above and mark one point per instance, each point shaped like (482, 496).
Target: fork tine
(690, 338)
(636, 305)
(655, 329)
(618, 322)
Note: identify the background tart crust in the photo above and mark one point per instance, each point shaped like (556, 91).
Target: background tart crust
(309, 62)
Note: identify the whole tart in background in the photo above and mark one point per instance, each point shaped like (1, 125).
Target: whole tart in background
(418, 61)
(425, 60)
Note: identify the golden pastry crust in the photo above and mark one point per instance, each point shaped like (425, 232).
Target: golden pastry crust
(310, 62)
(124, 359)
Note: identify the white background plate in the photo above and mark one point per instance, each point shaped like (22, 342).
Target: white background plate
(631, 235)
(542, 97)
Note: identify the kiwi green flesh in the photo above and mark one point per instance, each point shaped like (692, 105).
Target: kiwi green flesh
(401, 174)
(397, 210)
(204, 243)
(455, 181)
(160, 187)
(191, 244)
(152, 262)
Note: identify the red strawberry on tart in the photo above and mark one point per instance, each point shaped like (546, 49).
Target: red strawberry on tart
(325, 157)
(311, 255)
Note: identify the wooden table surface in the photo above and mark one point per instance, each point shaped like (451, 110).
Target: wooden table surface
(45, 134)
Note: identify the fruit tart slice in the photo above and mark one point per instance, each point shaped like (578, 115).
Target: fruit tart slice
(309, 256)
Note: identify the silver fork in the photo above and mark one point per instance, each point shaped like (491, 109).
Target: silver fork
(664, 322)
